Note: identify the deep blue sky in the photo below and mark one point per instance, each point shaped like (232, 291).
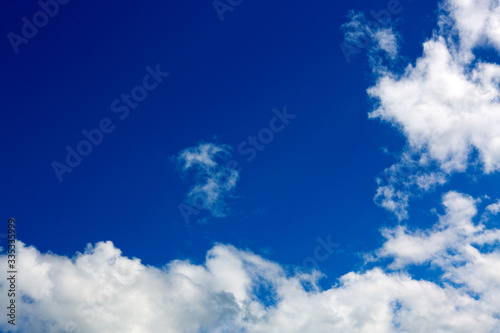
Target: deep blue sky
(316, 178)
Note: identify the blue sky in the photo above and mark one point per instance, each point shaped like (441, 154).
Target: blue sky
(227, 80)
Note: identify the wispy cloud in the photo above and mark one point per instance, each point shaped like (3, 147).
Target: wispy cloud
(377, 37)
(412, 175)
(103, 291)
(214, 181)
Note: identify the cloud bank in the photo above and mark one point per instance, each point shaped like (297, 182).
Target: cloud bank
(102, 291)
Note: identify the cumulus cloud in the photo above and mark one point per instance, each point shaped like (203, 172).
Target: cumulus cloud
(446, 103)
(100, 290)
(214, 181)
(417, 247)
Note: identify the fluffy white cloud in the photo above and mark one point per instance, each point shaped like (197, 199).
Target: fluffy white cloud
(446, 103)
(238, 291)
(443, 109)
(476, 21)
(214, 181)
(417, 247)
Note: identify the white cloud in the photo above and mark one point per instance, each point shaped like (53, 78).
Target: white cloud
(447, 103)
(387, 41)
(494, 208)
(103, 291)
(443, 110)
(412, 174)
(477, 23)
(394, 200)
(356, 30)
(361, 33)
(416, 247)
(214, 181)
